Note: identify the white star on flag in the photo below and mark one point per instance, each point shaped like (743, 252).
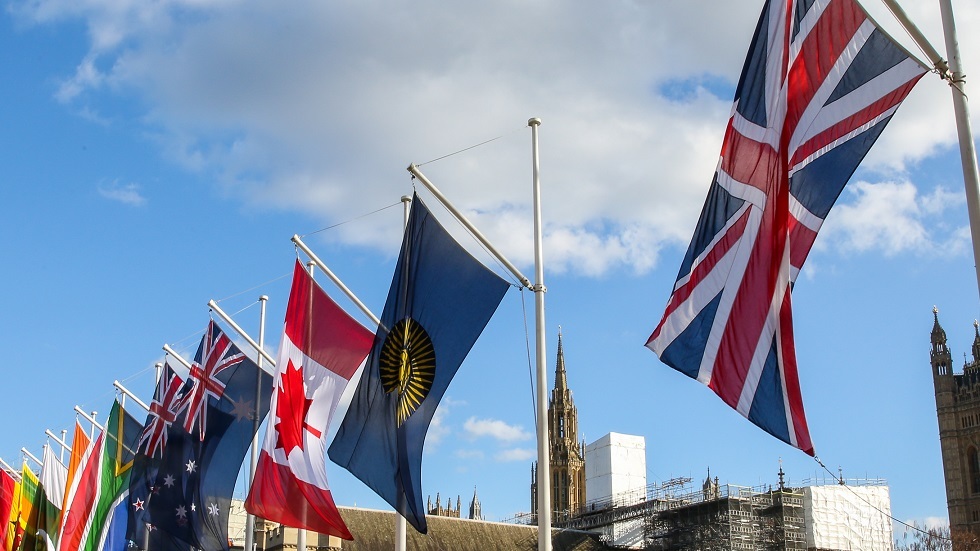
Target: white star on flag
(138, 504)
(213, 509)
(181, 512)
(191, 466)
(168, 480)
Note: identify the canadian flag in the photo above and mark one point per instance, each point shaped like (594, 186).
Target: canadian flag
(321, 349)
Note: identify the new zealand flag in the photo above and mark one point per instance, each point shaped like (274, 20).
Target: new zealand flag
(193, 445)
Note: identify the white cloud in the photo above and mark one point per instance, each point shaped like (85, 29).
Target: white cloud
(515, 454)
(496, 429)
(893, 217)
(318, 107)
(127, 194)
(439, 428)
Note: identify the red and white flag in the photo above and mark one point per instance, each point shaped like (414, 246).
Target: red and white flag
(321, 349)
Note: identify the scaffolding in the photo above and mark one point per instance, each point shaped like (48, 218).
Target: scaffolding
(725, 517)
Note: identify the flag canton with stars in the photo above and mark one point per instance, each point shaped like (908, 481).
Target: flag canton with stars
(189, 471)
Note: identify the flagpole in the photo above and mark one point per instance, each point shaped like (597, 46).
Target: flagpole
(250, 518)
(132, 396)
(401, 524)
(300, 531)
(10, 470)
(968, 152)
(158, 370)
(31, 456)
(935, 58)
(176, 356)
(541, 408)
(336, 280)
(544, 461)
(952, 73)
(90, 419)
(414, 170)
(214, 306)
(60, 442)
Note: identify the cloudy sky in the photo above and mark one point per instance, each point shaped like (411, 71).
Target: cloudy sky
(158, 155)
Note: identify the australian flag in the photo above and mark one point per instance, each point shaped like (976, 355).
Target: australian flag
(819, 84)
(193, 445)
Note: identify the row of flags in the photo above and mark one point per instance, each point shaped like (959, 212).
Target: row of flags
(819, 84)
(166, 483)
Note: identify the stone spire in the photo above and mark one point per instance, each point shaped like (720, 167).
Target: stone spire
(941, 359)
(561, 380)
(476, 511)
(938, 334)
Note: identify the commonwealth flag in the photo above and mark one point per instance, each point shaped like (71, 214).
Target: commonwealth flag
(440, 300)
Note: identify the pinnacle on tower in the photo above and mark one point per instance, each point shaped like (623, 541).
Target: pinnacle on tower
(561, 380)
(976, 341)
(938, 334)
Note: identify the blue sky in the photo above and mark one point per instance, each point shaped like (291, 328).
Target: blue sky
(159, 156)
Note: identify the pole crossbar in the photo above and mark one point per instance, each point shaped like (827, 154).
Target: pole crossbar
(336, 280)
(414, 170)
(214, 306)
(132, 396)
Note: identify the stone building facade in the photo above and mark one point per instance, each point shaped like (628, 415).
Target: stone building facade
(958, 412)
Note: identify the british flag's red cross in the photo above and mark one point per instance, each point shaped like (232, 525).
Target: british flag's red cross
(217, 353)
(818, 86)
(163, 412)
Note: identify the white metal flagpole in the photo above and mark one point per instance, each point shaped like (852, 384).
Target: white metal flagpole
(261, 351)
(250, 518)
(176, 356)
(952, 73)
(961, 109)
(544, 461)
(132, 396)
(401, 524)
(90, 419)
(10, 470)
(31, 456)
(60, 441)
(541, 406)
(336, 280)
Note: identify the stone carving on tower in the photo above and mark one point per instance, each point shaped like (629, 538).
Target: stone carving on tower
(567, 453)
(958, 412)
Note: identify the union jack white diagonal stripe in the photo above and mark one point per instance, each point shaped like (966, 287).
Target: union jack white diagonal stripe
(216, 354)
(163, 412)
(819, 84)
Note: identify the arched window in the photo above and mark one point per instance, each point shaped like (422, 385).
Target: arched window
(973, 463)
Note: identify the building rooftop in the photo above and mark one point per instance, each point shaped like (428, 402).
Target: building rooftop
(375, 530)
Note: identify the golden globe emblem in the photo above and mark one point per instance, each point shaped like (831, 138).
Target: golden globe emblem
(407, 366)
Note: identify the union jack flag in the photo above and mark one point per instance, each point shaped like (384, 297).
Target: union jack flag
(163, 412)
(216, 354)
(819, 84)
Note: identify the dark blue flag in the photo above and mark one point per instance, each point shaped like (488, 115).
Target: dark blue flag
(151, 446)
(440, 300)
(189, 474)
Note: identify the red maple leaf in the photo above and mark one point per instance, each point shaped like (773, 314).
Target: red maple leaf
(291, 409)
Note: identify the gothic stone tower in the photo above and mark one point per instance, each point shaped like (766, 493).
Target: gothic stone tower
(958, 409)
(566, 452)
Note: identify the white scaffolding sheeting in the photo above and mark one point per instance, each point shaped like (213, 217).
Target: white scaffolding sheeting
(847, 517)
